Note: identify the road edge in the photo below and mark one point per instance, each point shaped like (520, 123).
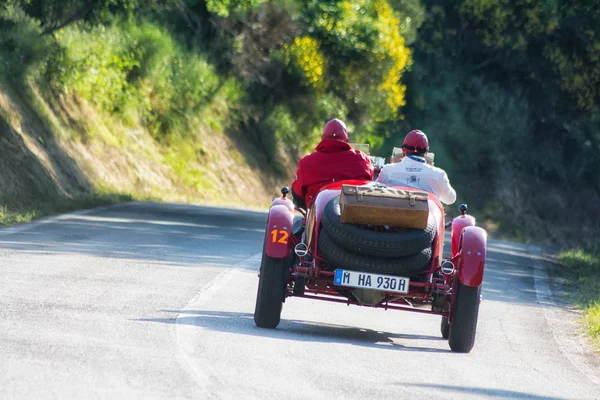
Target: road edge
(564, 320)
(9, 230)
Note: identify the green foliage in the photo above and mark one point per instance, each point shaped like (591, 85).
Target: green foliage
(308, 116)
(181, 156)
(37, 209)
(508, 24)
(137, 69)
(57, 14)
(582, 268)
(281, 121)
(592, 320)
(22, 50)
(279, 126)
(508, 90)
(95, 66)
(223, 8)
(411, 14)
(365, 51)
(303, 62)
(579, 263)
(560, 38)
(468, 132)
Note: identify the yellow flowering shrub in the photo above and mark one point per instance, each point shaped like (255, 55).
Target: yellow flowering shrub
(305, 55)
(368, 52)
(393, 45)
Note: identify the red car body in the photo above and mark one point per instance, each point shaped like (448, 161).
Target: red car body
(434, 292)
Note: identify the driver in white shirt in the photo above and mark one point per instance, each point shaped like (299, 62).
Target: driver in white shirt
(414, 171)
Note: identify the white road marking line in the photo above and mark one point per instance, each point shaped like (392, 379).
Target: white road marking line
(573, 346)
(186, 334)
(48, 220)
(159, 222)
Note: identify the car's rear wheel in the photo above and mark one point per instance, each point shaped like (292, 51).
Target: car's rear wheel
(445, 327)
(464, 318)
(271, 291)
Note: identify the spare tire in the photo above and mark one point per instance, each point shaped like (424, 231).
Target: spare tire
(342, 258)
(379, 244)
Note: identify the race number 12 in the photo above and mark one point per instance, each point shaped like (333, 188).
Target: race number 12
(283, 236)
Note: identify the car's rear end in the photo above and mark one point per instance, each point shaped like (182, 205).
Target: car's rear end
(372, 265)
(377, 265)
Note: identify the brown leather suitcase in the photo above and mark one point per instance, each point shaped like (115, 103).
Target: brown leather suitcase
(384, 206)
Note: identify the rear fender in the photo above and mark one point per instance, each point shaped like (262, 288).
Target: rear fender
(472, 258)
(315, 215)
(285, 202)
(437, 210)
(458, 224)
(279, 231)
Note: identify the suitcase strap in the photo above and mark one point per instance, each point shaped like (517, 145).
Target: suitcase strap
(412, 199)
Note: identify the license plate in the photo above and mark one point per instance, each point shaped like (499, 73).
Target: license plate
(387, 283)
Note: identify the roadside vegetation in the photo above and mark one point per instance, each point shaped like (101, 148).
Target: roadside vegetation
(507, 91)
(44, 209)
(582, 268)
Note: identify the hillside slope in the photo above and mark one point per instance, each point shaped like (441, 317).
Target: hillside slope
(59, 153)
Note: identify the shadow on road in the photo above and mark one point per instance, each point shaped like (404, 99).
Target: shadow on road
(306, 331)
(483, 392)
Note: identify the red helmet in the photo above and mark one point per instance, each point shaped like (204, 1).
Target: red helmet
(336, 130)
(415, 142)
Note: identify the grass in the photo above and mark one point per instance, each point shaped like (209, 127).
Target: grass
(582, 268)
(59, 206)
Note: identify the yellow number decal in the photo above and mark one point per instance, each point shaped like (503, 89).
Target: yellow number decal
(283, 239)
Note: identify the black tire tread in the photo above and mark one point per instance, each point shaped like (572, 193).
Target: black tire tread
(380, 244)
(271, 292)
(343, 258)
(445, 327)
(464, 318)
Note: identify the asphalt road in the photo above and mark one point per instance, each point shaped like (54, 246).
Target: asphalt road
(156, 301)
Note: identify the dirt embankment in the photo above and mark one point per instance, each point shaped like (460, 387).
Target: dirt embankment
(55, 149)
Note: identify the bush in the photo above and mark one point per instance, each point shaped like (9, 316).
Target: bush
(579, 263)
(23, 50)
(95, 66)
(582, 268)
(135, 69)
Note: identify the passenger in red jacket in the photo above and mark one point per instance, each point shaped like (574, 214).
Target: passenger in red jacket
(334, 160)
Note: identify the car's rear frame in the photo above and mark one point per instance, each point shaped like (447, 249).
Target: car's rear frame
(296, 263)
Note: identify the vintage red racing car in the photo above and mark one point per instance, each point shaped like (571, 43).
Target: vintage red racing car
(375, 266)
